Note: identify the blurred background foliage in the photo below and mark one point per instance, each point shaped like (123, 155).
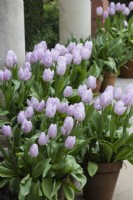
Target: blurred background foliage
(41, 22)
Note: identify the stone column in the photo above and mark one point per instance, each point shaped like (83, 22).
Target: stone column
(12, 29)
(75, 19)
(94, 5)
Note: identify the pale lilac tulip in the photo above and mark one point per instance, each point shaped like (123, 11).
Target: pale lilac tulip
(88, 45)
(34, 103)
(82, 89)
(69, 58)
(50, 110)
(1, 75)
(119, 107)
(24, 74)
(97, 104)
(70, 110)
(71, 47)
(126, 12)
(63, 131)
(11, 59)
(21, 117)
(33, 152)
(79, 114)
(34, 57)
(43, 139)
(28, 57)
(110, 90)
(106, 99)
(62, 107)
(54, 101)
(61, 48)
(111, 11)
(118, 6)
(41, 53)
(40, 106)
(105, 14)
(48, 75)
(61, 65)
(7, 75)
(112, 5)
(87, 96)
(91, 82)
(123, 7)
(70, 142)
(44, 45)
(47, 60)
(99, 11)
(55, 55)
(85, 53)
(130, 5)
(128, 99)
(68, 124)
(27, 65)
(68, 91)
(76, 57)
(52, 131)
(118, 93)
(6, 130)
(29, 112)
(26, 126)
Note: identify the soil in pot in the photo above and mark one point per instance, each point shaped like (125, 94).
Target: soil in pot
(109, 79)
(127, 70)
(5, 194)
(102, 185)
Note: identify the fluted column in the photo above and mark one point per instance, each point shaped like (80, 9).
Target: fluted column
(12, 29)
(75, 19)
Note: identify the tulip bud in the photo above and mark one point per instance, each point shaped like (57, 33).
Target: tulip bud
(106, 99)
(63, 131)
(43, 139)
(91, 82)
(29, 112)
(99, 11)
(33, 152)
(21, 117)
(27, 65)
(82, 89)
(97, 104)
(87, 96)
(40, 107)
(68, 124)
(118, 93)
(88, 44)
(52, 131)
(130, 5)
(119, 107)
(70, 142)
(34, 57)
(79, 114)
(105, 14)
(48, 75)
(6, 130)
(50, 110)
(85, 53)
(68, 91)
(28, 56)
(76, 57)
(26, 126)
(70, 110)
(7, 75)
(62, 107)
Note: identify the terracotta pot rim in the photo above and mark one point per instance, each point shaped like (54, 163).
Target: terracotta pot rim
(109, 167)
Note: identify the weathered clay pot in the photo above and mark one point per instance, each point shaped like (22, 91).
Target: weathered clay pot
(127, 70)
(102, 185)
(98, 83)
(109, 79)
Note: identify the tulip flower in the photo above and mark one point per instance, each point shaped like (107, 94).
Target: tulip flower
(68, 124)
(6, 130)
(33, 152)
(43, 139)
(68, 91)
(70, 142)
(52, 131)
(48, 75)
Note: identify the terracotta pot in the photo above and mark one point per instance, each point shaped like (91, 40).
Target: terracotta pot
(102, 185)
(108, 79)
(98, 83)
(127, 70)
